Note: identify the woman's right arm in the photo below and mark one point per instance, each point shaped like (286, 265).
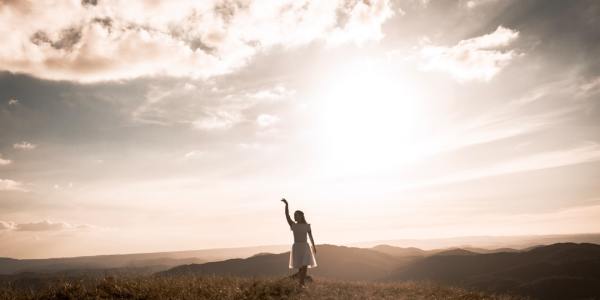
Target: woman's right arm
(287, 213)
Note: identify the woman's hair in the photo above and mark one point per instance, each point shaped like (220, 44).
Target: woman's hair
(299, 217)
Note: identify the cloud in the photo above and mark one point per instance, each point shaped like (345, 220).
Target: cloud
(550, 159)
(114, 40)
(361, 21)
(194, 154)
(275, 93)
(265, 120)
(219, 120)
(538, 161)
(44, 225)
(472, 4)
(205, 105)
(479, 58)
(11, 185)
(24, 146)
(6, 225)
(4, 162)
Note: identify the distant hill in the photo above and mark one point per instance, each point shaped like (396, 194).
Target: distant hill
(559, 271)
(416, 252)
(10, 266)
(400, 251)
(455, 252)
(339, 262)
(156, 261)
(487, 242)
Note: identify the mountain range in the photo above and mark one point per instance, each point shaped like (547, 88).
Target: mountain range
(555, 271)
(558, 271)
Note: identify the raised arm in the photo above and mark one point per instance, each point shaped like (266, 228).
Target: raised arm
(287, 212)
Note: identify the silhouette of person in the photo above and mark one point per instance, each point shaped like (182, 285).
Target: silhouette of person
(302, 256)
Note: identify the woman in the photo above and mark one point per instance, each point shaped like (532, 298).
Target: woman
(301, 256)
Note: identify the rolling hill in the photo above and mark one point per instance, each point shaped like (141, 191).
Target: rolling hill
(339, 262)
(157, 261)
(559, 271)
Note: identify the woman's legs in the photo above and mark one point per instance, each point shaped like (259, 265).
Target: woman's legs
(302, 273)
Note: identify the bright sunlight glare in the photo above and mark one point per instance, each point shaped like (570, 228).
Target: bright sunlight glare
(371, 120)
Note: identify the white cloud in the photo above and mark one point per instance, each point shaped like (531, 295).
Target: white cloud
(24, 146)
(115, 40)
(44, 225)
(364, 20)
(551, 159)
(189, 87)
(4, 162)
(11, 185)
(6, 225)
(589, 87)
(194, 154)
(538, 161)
(266, 120)
(218, 120)
(275, 93)
(472, 4)
(479, 58)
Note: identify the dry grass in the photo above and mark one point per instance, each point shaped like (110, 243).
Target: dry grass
(223, 288)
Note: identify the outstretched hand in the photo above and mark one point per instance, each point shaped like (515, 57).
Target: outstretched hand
(284, 201)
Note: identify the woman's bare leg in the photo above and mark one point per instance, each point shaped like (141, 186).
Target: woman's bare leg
(302, 273)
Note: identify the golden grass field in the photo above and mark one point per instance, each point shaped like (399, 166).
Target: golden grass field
(223, 288)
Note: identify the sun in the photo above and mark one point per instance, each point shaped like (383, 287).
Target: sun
(369, 120)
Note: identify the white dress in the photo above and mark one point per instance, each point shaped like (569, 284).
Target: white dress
(301, 254)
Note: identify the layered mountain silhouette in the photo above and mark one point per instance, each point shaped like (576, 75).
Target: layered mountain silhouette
(346, 263)
(148, 261)
(559, 271)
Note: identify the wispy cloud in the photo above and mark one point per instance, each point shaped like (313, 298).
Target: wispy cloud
(194, 154)
(4, 225)
(4, 162)
(538, 161)
(361, 21)
(266, 120)
(24, 146)
(472, 4)
(517, 117)
(479, 58)
(121, 40)
(274, 93)
(11, 185)
(44, 225)
(218, 120)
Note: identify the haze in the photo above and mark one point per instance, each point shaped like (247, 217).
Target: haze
(141, 126)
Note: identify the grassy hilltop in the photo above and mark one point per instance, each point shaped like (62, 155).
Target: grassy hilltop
(223, 288)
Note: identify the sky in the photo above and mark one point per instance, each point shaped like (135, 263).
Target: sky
(141, 126)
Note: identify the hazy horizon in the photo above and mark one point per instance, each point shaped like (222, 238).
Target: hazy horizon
(146, 126)
(517, 242)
